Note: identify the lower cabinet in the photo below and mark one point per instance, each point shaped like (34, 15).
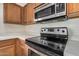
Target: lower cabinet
(13, 47)
(7, 50)
(21, 48)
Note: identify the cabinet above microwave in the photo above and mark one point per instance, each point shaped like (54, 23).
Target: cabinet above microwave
(50, 10)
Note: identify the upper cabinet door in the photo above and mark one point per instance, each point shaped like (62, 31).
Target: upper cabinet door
(12, 13)
(72, 10)
(69, 8)
(29, 13)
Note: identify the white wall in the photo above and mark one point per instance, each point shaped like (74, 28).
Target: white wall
(1, 18)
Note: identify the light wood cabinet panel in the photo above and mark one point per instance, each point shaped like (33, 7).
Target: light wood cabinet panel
(12, 13)
(21, 51)
(13, 47)
(7, 50)
(19, 15)
(7, 47)
(75, 7)
(29, 13)
(7, 42)
(18, 51)
(69, 8)
(21, 48)
(72, 7)
(72, 10)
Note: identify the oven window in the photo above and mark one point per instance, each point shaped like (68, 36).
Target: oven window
(60, 7)
(45, 12)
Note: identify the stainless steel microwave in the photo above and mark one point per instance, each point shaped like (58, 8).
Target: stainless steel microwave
(50, 10)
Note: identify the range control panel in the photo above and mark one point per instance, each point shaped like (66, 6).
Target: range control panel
(55, 30)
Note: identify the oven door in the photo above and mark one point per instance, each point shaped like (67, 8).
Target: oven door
(34, 52)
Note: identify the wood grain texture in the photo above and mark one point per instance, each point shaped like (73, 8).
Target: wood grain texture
(7, 47)
(7, 42)
(19, 15)
(21, 48)
(12, 13)
(13, 47)
(7, 50)
(29, 13)
(72, 10)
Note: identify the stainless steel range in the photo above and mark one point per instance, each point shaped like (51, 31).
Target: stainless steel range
(53, 39)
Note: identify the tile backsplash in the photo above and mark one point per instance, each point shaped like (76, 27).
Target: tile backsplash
(72, 24)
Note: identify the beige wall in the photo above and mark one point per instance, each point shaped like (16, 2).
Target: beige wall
(1, 18)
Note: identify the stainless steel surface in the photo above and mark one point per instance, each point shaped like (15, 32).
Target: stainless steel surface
(56, 14)
(55, 43)
(43, 6)
(55, 38)
(61, 31)
(37, 52)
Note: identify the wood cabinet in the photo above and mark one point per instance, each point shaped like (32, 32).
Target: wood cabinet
(21, 48)
(29, 13)
(13, 47)
(7, 47)
(72, 10)
(12, 13)
(7, 50)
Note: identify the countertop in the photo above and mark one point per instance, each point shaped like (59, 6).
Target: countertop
(14, 36)
(23, 37)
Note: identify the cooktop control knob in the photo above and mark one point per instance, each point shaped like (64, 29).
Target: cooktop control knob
(42, 30)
